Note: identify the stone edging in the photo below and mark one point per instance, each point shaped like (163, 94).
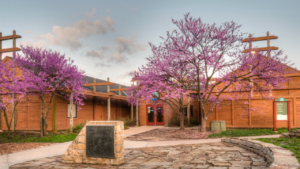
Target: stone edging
(291, 134)
(275, 156)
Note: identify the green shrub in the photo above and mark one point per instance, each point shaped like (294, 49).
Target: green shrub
(175, 121)
(127, 121)
(77, 128)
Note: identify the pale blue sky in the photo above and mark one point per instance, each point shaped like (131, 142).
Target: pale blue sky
(110, 38)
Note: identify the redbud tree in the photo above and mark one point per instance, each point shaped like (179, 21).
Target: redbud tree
(13, 90)
(51, 74)
(217, 67)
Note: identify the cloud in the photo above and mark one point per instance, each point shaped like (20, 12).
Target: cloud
(108, 21)
(29, 31)
(105, 48)
(70, 36)
(95, 54)
(37, 44)
(108, 10)
(91, 14)
(102, 65)
(125, 46)
(117, 57)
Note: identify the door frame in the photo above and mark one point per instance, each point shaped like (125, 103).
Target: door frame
(155, 123)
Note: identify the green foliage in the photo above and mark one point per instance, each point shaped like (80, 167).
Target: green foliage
(78, 127)
(292, 144)
(128, 121)
(248, 132)
(50, 138)
(126, 127)
(175, 121)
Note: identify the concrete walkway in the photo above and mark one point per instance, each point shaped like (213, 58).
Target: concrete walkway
(58, 149)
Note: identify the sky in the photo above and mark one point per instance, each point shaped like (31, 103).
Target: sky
(111, 38)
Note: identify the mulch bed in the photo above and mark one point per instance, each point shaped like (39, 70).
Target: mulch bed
(8, 148)
(170, 135)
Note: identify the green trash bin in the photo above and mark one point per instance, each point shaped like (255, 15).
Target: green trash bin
(217, 125)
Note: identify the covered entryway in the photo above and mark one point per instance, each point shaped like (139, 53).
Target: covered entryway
(155, 114)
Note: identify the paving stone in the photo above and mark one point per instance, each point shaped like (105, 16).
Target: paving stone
(202, 156)
(259, 163)
(240, 163)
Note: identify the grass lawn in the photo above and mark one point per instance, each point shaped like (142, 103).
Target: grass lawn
(248, 132)
(292, 144)
(51, 138)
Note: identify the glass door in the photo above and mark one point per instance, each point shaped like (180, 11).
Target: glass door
(155, 115)
(150, 115)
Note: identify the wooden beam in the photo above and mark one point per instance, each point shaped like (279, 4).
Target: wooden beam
(9, 50)
(261, 49)
(260, 38)
(120, 89)
(10, 37)
(99, 84)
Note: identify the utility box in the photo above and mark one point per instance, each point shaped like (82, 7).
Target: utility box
(217, 125)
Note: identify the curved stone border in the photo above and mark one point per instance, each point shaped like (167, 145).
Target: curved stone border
(276, 157)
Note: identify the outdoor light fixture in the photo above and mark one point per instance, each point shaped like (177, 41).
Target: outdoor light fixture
(253, 52)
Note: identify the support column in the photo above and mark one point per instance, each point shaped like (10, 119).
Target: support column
(188, 111)
(168, 112)
(137, 109)
(54, 122)
(108, 101)
(120, 93)
(94, 101)
(131, 107)
(71, 112)
(13, 96)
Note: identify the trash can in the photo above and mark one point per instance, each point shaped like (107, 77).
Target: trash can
(217, 125)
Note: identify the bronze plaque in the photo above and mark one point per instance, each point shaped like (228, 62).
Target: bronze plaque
(100, 141)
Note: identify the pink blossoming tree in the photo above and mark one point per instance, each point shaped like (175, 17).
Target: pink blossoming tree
(13, 90)
(51, 74)
(217, 68)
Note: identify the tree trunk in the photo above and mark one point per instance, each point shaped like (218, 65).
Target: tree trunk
(203, 124)
(8, 124)
(181, 120)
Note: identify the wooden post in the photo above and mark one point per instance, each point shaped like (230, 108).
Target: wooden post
(94, 101)
(137, 109)
(168, 110)
(232, 113)
(294, 112)
(108, 101)
(250, 116)
(54, 116)
(71, 112)
(13, 95)
(131, 107)
(120, 93)
(269, 56)
(188, 110)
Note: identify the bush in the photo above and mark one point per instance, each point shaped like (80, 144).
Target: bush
(128, 121)
(77, 128)
(175, 121)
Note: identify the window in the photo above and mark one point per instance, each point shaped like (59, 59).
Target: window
(74, 111)
(191, 111)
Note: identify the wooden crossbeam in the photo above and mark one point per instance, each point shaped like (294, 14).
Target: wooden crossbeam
(261, 49)
(260, 38)
(99, 84)
(9, 50)
(10, 37)
(120, 89)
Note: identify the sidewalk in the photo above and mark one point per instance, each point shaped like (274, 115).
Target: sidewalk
(58, 149)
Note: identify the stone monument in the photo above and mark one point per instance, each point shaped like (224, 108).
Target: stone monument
(99, 142)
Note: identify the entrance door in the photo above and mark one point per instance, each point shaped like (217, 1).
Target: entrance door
(155, 115)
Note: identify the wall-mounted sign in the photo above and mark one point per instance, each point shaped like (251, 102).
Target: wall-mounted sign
(156, 95)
